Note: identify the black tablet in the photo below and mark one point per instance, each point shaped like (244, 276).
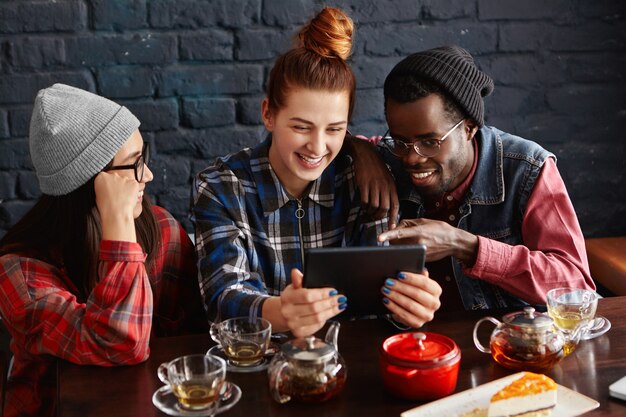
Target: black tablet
(360, 272)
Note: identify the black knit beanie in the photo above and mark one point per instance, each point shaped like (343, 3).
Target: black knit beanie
(452, 68)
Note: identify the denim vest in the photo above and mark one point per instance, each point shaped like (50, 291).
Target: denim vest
(493, 207)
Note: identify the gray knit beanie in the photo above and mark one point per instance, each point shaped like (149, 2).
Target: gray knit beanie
(74, 134)
(453, 69)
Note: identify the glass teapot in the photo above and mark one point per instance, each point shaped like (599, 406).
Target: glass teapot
(526, 340)
(308, 369)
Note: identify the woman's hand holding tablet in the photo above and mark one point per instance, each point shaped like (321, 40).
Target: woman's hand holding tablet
(368, 277)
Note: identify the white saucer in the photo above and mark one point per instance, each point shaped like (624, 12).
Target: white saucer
(165, 400)
(599, 326)
(218, 351)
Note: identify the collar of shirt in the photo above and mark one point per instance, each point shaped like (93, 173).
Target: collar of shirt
(272, 193)
(453, 198)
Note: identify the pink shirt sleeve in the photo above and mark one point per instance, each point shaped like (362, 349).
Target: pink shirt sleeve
(553, 254)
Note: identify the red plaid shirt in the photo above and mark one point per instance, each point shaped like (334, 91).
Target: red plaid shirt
(113, 327)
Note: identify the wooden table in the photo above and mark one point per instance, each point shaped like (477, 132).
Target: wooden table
(127, 391)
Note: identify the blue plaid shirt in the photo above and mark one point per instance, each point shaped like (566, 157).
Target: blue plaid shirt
(248, 237)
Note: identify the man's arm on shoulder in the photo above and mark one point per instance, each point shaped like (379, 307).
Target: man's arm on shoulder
(376, 184)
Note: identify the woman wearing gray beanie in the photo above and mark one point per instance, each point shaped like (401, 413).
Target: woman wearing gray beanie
(93, 270)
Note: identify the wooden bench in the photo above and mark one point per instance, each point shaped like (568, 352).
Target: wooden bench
(607, 262)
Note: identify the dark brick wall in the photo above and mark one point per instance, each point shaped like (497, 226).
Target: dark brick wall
(193, 71)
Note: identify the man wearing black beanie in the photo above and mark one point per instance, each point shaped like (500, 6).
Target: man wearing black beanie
(491, 207)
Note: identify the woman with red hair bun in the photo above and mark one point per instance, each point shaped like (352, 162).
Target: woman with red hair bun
(258, 210)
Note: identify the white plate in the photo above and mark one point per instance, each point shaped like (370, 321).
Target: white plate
(618, 389)
(568, 404)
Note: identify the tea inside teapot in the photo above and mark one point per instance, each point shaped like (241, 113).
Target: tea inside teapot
(314, 382)
(525, 340)
(308, 369)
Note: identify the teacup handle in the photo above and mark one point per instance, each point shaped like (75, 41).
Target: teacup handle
(214, 331)
(479, 345)
(163, 373)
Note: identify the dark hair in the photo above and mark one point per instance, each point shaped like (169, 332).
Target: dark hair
(65, 231)
(407, 88)
(318, 62)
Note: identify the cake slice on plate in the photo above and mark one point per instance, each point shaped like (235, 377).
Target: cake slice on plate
(529, 396)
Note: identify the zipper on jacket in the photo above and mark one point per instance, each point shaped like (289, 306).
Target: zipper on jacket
(299, 216)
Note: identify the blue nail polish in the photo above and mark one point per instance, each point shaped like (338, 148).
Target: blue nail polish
(401, 275)
(386, 290)
(389, 282)
(385, 301)
(343, 306)
(342, 299)
(333, 292)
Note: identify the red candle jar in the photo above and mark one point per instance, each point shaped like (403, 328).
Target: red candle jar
(420, 366)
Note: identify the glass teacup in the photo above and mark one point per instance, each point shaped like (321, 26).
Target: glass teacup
(195, 380)
(573, 311)
(243, 340)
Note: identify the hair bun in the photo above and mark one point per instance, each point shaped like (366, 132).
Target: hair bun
(328, 34)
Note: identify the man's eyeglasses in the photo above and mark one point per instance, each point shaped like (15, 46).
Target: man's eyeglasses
(425, 147)
(138, 166)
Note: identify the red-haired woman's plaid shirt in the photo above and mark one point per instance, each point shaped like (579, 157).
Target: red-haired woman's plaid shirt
(113, 327)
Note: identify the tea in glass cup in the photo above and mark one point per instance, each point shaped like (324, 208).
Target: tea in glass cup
(244, 340)
(572, 310)
(195, 380)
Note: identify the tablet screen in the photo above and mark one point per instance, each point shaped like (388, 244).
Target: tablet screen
(360, 272)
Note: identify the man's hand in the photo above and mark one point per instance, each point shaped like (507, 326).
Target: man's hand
(305, 310)
(376, 185)
(440, 239)
(412, 298)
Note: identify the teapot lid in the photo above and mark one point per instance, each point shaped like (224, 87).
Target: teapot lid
(528, 318)
(420, 349)
(308, 349)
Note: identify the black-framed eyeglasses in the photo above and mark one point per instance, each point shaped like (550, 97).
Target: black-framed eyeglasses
(138, 166)
(425, 147)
